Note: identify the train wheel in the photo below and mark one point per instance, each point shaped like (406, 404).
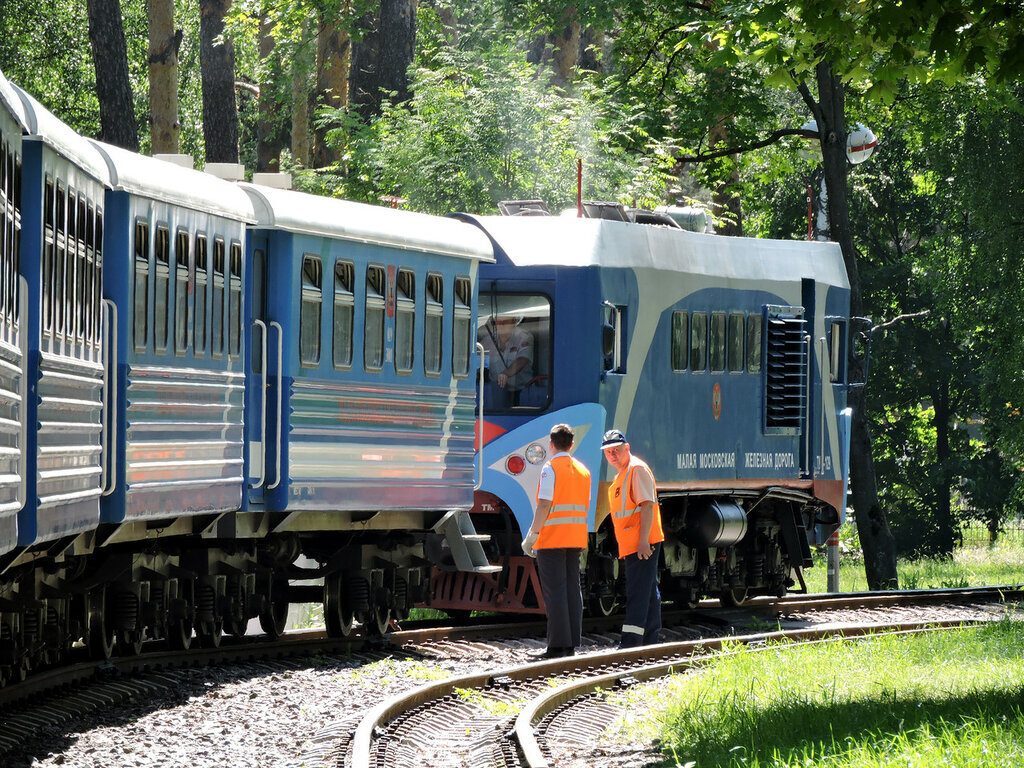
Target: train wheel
(338, 614)
(129, 642)
(380, 621)
(102, 636)
(235, 623)
(210, 633)
(733, 597)
(179, 634)
(274, 613)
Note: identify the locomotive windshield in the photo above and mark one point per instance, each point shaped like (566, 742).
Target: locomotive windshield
(515, 331)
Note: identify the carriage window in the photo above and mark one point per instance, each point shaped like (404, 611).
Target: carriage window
(141, 285)
(181, 241)
(754, 343)
(344, 308)
(837, 348)
(60, 265)
(84, 272)
(515, 331)
(49, 257)
(405, 320)
(433, 314)
(163, 272)
(199, 294)
(736, 361)
(461, 337)
(71, 268)
(680, 340)
(699, 341)
(235, 310)
(217, 308)
(309, 312)
(716, 342)
(97, 276)
(373, 342)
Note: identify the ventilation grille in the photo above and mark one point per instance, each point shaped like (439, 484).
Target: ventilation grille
(786, 374)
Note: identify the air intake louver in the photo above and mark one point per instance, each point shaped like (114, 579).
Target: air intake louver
(785, 369)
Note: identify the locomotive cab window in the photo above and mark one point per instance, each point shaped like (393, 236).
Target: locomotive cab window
(405, 320)
(461, 337)
(515, 331)
(344, 309)
(309, 312)
(680, 340)
(373, 318)
(612, 345)
(433, 314)
(837, 352)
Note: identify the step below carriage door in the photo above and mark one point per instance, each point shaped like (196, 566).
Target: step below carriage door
(263, 341)
(787, 383)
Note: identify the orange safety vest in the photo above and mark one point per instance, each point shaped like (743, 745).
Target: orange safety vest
(626, 511)
(566, 524)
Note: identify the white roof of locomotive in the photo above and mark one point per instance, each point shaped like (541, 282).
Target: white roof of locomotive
(345, 220)
(42, 124)
(558, 241)
(166, 182)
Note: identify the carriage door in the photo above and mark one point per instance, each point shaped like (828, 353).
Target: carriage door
(262, 340)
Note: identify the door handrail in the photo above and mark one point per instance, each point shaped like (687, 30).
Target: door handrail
(280, 400)
(263, 407)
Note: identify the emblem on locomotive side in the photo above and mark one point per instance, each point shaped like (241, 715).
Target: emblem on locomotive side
(716, 400)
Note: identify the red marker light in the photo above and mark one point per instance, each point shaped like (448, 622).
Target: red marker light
(515, 465)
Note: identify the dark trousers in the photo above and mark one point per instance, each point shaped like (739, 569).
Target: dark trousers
(559, 571)
(642, 624)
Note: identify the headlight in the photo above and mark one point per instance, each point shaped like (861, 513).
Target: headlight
(535, 454)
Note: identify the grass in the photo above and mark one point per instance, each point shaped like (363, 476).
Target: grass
(975, 564)
(942, 698)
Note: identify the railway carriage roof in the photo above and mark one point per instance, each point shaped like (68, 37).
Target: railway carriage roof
(42, 124)
(166, 182)
(571, 242)
(12, 103)
(346, 220)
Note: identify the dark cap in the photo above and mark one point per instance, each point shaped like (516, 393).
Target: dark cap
(612, 437)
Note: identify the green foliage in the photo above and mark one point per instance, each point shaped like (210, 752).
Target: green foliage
(484, 127)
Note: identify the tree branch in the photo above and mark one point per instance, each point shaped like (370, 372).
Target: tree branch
(702, 157)
(897, 319)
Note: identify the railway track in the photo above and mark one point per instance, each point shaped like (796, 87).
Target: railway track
(483, 710)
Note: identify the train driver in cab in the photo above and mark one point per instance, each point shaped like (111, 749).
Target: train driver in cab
(508, 351)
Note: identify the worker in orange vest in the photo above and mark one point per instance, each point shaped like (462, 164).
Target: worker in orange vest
(636, 518)
(557, 537)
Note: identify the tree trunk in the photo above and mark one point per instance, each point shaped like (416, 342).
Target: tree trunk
(163, 77)
(333, 52)
(592, 50)
(725, 199)
(113, 87)
(364, 77)
(300, 107)
(872, 525)
(217, 62)
(946, 538)
(396, 48)
(270, 136)
(566, 42)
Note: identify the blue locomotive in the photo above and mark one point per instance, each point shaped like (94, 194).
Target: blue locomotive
(722, 359)
(218, 399)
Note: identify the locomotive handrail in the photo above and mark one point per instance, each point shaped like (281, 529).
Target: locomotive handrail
(807, 408)
(109, 411)
(263, 407)
(22, 495)
(823, 360)
(480, 418)
(280, 400)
